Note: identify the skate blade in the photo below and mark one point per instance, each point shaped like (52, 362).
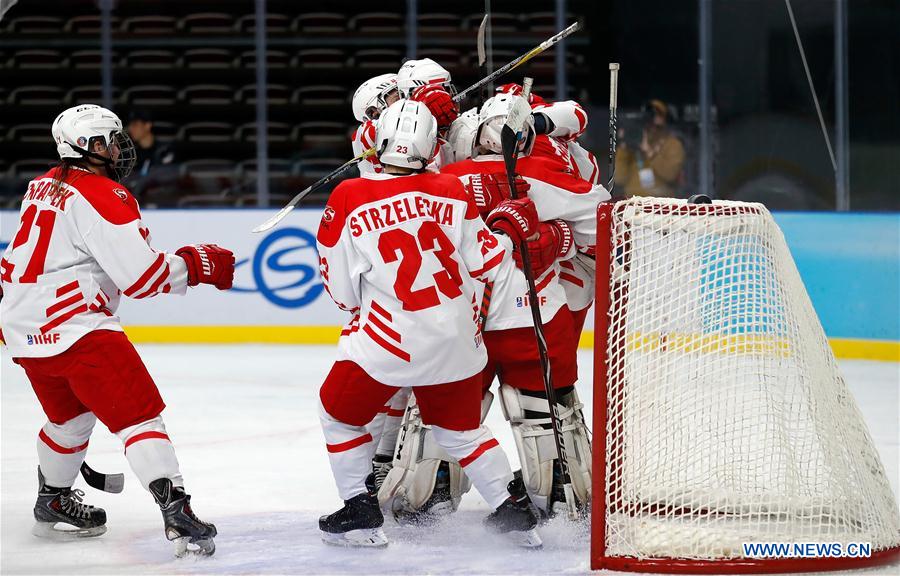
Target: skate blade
(441, 509)
(66, 533)
(366, 538)
(525, 539)
(184, 547)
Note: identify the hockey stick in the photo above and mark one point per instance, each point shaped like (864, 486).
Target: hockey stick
(271, 222)
(113, 483)
(274, 220)
(482, 55)
(613, 104)
(510, 136)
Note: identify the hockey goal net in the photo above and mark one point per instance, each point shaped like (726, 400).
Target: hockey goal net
(721, 418)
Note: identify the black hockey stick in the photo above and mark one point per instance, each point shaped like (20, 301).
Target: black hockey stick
(553, 40)
(113, 483)
(509, 140)
(613, 104)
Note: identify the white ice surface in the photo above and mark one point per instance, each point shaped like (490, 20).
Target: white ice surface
(244, 423)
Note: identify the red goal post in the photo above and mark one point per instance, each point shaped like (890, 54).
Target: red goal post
(716, 399)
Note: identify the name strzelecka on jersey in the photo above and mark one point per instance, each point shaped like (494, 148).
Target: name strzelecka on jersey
(373, 218)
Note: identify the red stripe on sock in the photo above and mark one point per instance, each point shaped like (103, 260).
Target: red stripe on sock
(56, 447)
(349, 444)
(145, 436)
(484, 447)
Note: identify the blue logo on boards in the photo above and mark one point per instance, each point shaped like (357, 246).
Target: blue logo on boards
(285, 268)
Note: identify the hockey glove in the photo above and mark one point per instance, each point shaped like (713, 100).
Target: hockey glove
(488, 190)
(208, 264)
(517, 219)
(439, 102)
(555, 241)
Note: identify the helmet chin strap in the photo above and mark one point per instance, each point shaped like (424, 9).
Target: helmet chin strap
(106, 163)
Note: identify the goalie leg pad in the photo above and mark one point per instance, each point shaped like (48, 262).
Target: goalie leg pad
(411, 482)
(529, 416)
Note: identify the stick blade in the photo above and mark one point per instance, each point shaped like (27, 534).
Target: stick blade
(271, 222)
(482, 57)
(509, 141)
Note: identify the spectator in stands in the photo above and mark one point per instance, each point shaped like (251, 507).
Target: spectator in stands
(155, 171)
(653, 167)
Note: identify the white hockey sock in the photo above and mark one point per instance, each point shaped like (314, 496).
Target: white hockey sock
(150, 452)
(350, 452)
(482, 459)
(392, 421)
(62, 447)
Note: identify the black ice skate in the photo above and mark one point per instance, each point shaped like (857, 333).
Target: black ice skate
(516, 517)
(381, 466)
(57, 506)
(181, 525)
(358, 523)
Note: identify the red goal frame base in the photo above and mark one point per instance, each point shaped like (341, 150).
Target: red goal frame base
(743, 566)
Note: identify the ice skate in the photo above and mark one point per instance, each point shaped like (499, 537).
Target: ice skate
(358, 523)
(190, 534)
(516, 518)
(62, 506)
(381, 466)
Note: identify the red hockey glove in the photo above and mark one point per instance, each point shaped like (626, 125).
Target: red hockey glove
(517, 219)
(489, 190)
(555, 241)
(439, 102)
(208, 264)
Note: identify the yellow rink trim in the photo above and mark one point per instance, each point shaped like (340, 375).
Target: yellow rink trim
(848, 348)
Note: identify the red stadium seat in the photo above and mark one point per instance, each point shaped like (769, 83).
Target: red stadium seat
(386, 22)
(150, 59)
(276, 94)
(320, 95)
(319, 23)
(378, 58)
(207, 94)
(149, 25)
(208, 23)
(35, 96)
(35, 25)
(319, 58)
(149, 95)
(206, 58)
(275, 24)
(37, 59)
(212, 132)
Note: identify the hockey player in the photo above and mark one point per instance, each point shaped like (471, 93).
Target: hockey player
(566, 206)
(427, 81)
(557, 128)
(79, 247)
(399, 250)
(372, 96)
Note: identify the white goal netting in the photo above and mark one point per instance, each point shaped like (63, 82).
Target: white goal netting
(728, 420)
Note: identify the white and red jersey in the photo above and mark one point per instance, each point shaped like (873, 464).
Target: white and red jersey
(407, 255)
(569, 122)
(72, 257)
(556, 195)
(362, 140)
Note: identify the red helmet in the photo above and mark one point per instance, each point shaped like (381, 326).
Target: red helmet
(516, 90)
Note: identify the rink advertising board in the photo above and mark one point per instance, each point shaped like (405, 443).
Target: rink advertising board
(850, 264)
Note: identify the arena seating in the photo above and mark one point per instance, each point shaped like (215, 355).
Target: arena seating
(192, 65)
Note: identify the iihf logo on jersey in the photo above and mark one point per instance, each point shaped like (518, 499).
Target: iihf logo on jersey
(522, 301)
(284, 269)
(51, 338)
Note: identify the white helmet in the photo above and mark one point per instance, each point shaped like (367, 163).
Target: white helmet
(370, 99)
(78, 128)
(406, 135)
(461, 136)
(490, 125)
(415, 73)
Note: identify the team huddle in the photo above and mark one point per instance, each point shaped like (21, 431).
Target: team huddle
(424, 252)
